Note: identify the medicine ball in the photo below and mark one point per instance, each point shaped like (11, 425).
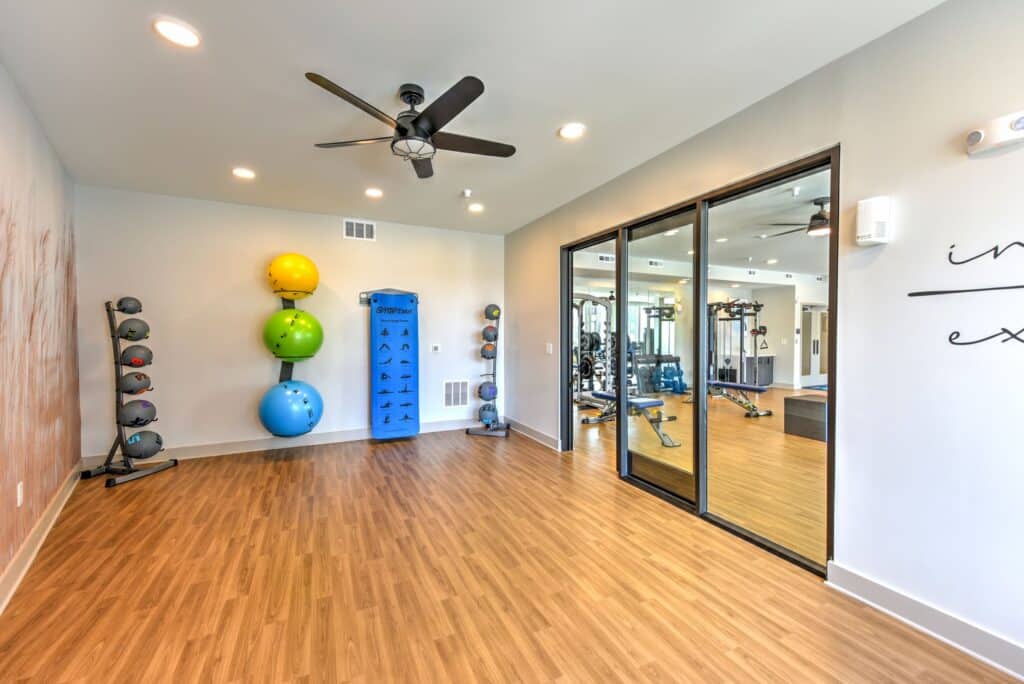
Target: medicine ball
(133, 383)
(143, 444)
(487, 391)
(492, 312)
(291, 408)
(136, 413)
(488, 414)
(136, 356)
(489, 333)
(488, 351)
(293, 334)
(293, 276)
(128, 305)
(133, 329)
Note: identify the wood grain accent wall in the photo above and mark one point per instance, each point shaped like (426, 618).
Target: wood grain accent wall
(39, 412)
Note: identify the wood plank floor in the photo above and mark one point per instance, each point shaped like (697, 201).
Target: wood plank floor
(760, 478)
(444, 558)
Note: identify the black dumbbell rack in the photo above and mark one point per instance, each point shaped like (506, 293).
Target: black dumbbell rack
(497, 428)
(124, 469)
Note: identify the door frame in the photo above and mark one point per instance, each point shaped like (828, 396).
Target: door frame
(828, 158)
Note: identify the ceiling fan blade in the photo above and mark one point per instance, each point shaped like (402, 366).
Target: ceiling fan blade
(352, 143)
(353, 100)
(447, 107)
(802, 228)
(424, 169)
(464, 143)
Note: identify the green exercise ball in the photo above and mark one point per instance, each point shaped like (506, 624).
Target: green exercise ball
(293, 335)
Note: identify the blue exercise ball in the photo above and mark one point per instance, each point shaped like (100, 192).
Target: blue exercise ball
(291, 408)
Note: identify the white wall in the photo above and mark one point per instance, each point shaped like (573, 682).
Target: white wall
(200, 270)
(929, 469)
(779, 315)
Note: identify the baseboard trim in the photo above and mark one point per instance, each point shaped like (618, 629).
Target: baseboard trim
(270, 443)
(997, 651)
(22, 560)
(534, 434)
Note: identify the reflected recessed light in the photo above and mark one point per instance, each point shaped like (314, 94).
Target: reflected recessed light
(771, 261)
(670, 233)
(177, 32)
(374, 193)
(243, 173)
(721, 239)
(475, 207)
(683, 281)
(796, 191)
(762, 236)
(572, 131)
(735, 285)
(690, 252)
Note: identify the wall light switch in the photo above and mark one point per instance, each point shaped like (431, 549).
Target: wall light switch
(436, 348)
(21, 493)
(550, 348)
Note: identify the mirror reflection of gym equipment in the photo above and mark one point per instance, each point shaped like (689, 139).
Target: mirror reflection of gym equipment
(764, 366)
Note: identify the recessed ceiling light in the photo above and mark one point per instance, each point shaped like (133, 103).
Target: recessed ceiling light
(796, 191)
(763, 236)
(177, 32)
(690, 252)
(374, 193)
(771, 261)
(475, 207)
(243, 173)
(683, 281)
(735, 285)
(670, 233)
(721, 239)
(572, 131)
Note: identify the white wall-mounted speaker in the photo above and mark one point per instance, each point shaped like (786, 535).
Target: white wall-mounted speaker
(996, 134)
(874, 220)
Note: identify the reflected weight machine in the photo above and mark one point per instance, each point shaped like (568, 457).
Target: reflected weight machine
(729, 323)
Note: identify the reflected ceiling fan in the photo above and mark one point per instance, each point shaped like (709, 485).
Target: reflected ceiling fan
(817, 226)
(418, 135)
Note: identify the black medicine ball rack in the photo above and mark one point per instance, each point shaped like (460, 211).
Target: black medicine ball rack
(135, 413)
(488, 412)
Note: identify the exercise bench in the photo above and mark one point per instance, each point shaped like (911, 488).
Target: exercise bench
(641, 405)
(740, 399)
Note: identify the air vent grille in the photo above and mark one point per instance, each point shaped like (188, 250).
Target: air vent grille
(656, 263)
(456, 393)
(606, 258)
(359, 229)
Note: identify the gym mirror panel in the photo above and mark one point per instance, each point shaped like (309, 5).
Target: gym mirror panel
(767, 373)
(593, 344)
(660, 354)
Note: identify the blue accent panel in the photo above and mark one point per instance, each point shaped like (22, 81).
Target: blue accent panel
(394, 365)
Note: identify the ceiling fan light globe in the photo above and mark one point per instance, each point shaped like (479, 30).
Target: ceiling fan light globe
(412, 147)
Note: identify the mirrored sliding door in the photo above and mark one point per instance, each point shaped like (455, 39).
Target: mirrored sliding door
(659, 348)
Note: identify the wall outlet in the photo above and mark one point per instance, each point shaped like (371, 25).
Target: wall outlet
(435, 348)
(21, 493)
(550, 348)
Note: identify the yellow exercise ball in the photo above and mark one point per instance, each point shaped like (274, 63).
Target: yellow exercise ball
(293, 276)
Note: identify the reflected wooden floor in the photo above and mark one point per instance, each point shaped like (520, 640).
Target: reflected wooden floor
(759, 477)
(444, 558)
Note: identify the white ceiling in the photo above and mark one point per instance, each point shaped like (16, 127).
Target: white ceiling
(125, 109)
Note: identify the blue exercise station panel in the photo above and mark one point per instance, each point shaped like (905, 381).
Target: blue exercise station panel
(394, 364)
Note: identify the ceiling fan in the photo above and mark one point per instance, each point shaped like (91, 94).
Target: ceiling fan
(817, 226)
(418, 135)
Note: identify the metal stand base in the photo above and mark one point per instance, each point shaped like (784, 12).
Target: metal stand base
(127, 473)
(495, 430)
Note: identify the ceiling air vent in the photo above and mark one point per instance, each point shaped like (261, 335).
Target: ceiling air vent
(606, 258)
(456, 393)
(359, 229)
(656, 263)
